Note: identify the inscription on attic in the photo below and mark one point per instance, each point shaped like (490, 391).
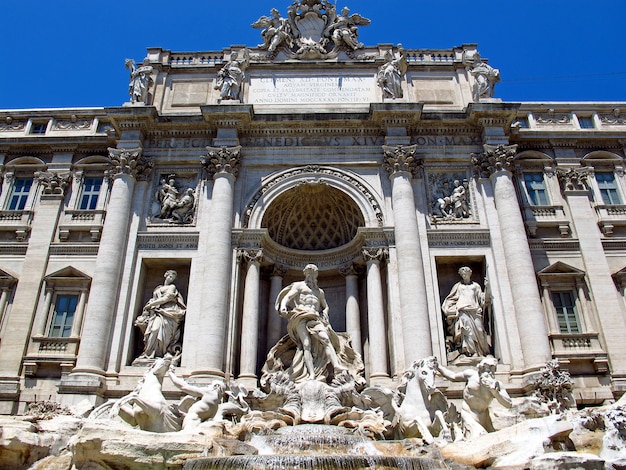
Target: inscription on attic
(312, 89)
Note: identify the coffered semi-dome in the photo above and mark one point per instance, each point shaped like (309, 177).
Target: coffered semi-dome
(313, 216)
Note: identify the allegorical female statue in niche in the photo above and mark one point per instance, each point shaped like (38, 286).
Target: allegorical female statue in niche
(161, 318)
(464, 311)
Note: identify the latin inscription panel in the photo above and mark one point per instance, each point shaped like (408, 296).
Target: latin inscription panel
(312, 89)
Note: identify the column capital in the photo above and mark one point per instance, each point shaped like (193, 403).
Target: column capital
(402, 159)
(574, 179)
(375, 254)
(250, 255)
(222, 160)
(351, 269)
(54, 184)
(277, 270)
(494, 159)
(129, 162)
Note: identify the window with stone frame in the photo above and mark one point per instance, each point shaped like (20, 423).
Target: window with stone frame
(535, 186)
(608, 188)
(86, 209)
(62, 315)
(571, 317)
(58, 322)
(19, 194)
(540, 196)
(564, 295)
(90, 192)
(564, 304)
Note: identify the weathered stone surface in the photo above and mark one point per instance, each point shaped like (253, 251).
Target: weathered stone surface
(567, 460)
(511, 446)
(121, 447)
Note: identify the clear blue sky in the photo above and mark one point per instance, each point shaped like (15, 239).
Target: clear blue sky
(70, 53)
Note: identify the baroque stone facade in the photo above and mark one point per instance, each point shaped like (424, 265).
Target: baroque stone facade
(389, 169)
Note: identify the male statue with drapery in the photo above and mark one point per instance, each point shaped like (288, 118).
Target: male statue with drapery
(312, 350)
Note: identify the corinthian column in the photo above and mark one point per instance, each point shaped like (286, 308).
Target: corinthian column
(274, 320)
(402, 164)
(495, 163)
(250, 318)
(206, 357)
(376, 314)
(127, 165)
(353, 312)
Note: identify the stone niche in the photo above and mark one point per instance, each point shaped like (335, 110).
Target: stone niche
(152, 272)
(448, 276)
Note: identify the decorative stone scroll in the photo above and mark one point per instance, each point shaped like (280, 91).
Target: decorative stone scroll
(222, 160)
(573, 179)
(402, 158)
(495, 158)
(129, 162)
(54, 184)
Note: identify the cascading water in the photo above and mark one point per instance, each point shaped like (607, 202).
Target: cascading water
(314, 446)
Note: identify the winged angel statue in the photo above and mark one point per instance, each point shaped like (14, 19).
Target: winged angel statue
(312, 29)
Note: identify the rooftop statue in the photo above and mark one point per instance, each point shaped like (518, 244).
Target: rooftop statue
(390, 74)
(276, 31)
(231, 76)
(140, 81)
(312, 350)
(484, 74)
(343, 28)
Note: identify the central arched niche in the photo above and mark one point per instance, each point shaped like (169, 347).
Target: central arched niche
(313, 216)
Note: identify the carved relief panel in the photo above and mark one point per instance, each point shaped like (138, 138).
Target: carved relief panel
(450, 197)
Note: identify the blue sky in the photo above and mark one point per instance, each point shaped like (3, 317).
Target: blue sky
(70, 53)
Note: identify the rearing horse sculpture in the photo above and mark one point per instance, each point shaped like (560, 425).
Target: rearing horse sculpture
(419, 406)
(146, 406)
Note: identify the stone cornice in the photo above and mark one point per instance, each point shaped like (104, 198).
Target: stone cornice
(141, 118)
(229, 116)
(395, 114)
